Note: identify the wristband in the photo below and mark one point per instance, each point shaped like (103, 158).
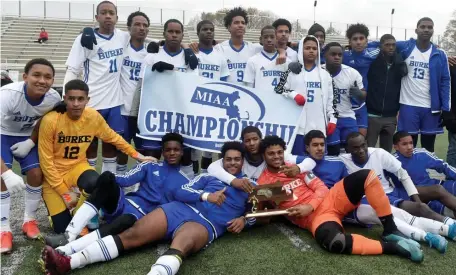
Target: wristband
(204, 196)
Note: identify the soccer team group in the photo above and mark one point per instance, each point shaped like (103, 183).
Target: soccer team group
(55, 143)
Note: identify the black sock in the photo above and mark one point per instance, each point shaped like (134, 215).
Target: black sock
(205, 162)
(388, 224)
(415, 140)
(333, 150)
(389, 248)
(428, 142)
(119, 244)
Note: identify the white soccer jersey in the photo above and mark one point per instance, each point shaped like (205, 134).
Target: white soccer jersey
(237, 59)
(102, 67)
(177, 59)
(263, 72)
(378, 160)
(18, 114)
(292, 55)
(344, 80)
(415, 87)
(212, 64)
(318, 97)
(131, 67)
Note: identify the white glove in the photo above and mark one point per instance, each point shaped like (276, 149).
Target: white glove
(307, 165)
(13, 182)
(21, 149)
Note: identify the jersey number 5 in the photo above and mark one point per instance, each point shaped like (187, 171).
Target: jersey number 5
(71, 152)
(310, 95)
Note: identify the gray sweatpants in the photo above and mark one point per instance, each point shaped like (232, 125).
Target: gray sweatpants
(385, 127)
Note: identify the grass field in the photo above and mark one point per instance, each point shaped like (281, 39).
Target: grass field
(278, 248)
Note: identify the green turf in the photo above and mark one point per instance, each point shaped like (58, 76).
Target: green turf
(263, 250)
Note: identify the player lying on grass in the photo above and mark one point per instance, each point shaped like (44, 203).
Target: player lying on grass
(157, 183)
(203, 211)
(63, 141)
(438, 194)
(316, 208)
(254, 163)
(22, 104)
(404, 195)
(331, 170)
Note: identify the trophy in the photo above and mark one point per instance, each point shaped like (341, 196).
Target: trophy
(268, 192)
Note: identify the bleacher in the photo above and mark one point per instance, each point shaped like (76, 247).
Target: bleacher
(18, 34)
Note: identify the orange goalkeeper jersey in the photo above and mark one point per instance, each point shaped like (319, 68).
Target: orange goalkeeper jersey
(63, 142)
(307, 188)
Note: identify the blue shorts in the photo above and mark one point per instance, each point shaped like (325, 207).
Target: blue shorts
(130, 129)
(299, 149)
(124, 206)
(361, 117)
(178, 213)
(437, 206)
(29, 162)
(113, 118)
(418, 120)
(345, 125)
(148, 144)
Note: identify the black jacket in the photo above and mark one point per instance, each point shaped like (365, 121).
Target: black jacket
(450, 122)
(385, 86)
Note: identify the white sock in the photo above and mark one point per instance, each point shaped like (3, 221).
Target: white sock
(188, 171)
(100, 251)
(429, 225)
(166, 265)
(32, 201)
(412, 232)
(81, 243)
(121, 169)
(448, 221)
(5, 208)
(86, 212)
(109, 164)
(92, 162)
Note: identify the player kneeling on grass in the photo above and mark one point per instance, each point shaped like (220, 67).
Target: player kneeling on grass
(320, 210)
(157, 181)
(22, 104)
(205, 209)
(63, 141)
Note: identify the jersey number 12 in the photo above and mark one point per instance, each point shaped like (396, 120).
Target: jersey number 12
(71, 152)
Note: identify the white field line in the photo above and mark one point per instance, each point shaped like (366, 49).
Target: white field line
(293, 237)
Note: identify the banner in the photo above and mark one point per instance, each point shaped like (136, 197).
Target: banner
(207, 113)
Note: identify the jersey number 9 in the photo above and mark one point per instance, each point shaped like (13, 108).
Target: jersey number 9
(240, 76)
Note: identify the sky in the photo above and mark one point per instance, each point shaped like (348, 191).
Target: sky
(371, 12)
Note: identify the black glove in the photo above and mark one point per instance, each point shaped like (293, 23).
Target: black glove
(88, 38)
(190, 59)
(153, 47)
(356, 92)
(162, 66)
(60, 107)
(295, 67)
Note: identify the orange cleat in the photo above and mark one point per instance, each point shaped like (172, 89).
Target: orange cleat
(6, 240)
(84, 231)
(31, 230)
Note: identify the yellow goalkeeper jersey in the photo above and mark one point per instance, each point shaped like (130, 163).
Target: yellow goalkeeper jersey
(63, 142)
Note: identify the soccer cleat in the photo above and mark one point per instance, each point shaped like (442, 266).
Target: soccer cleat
(436, 241)
(84, 232)
(57, 240)
(31, 230)
(6, 240)
(55, 263)
(452, 232)
(397, 236)
(410, 251)
(93, 223)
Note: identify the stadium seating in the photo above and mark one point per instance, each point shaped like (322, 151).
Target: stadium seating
(18, 34)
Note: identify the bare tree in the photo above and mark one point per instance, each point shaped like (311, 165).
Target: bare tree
(448, 42)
